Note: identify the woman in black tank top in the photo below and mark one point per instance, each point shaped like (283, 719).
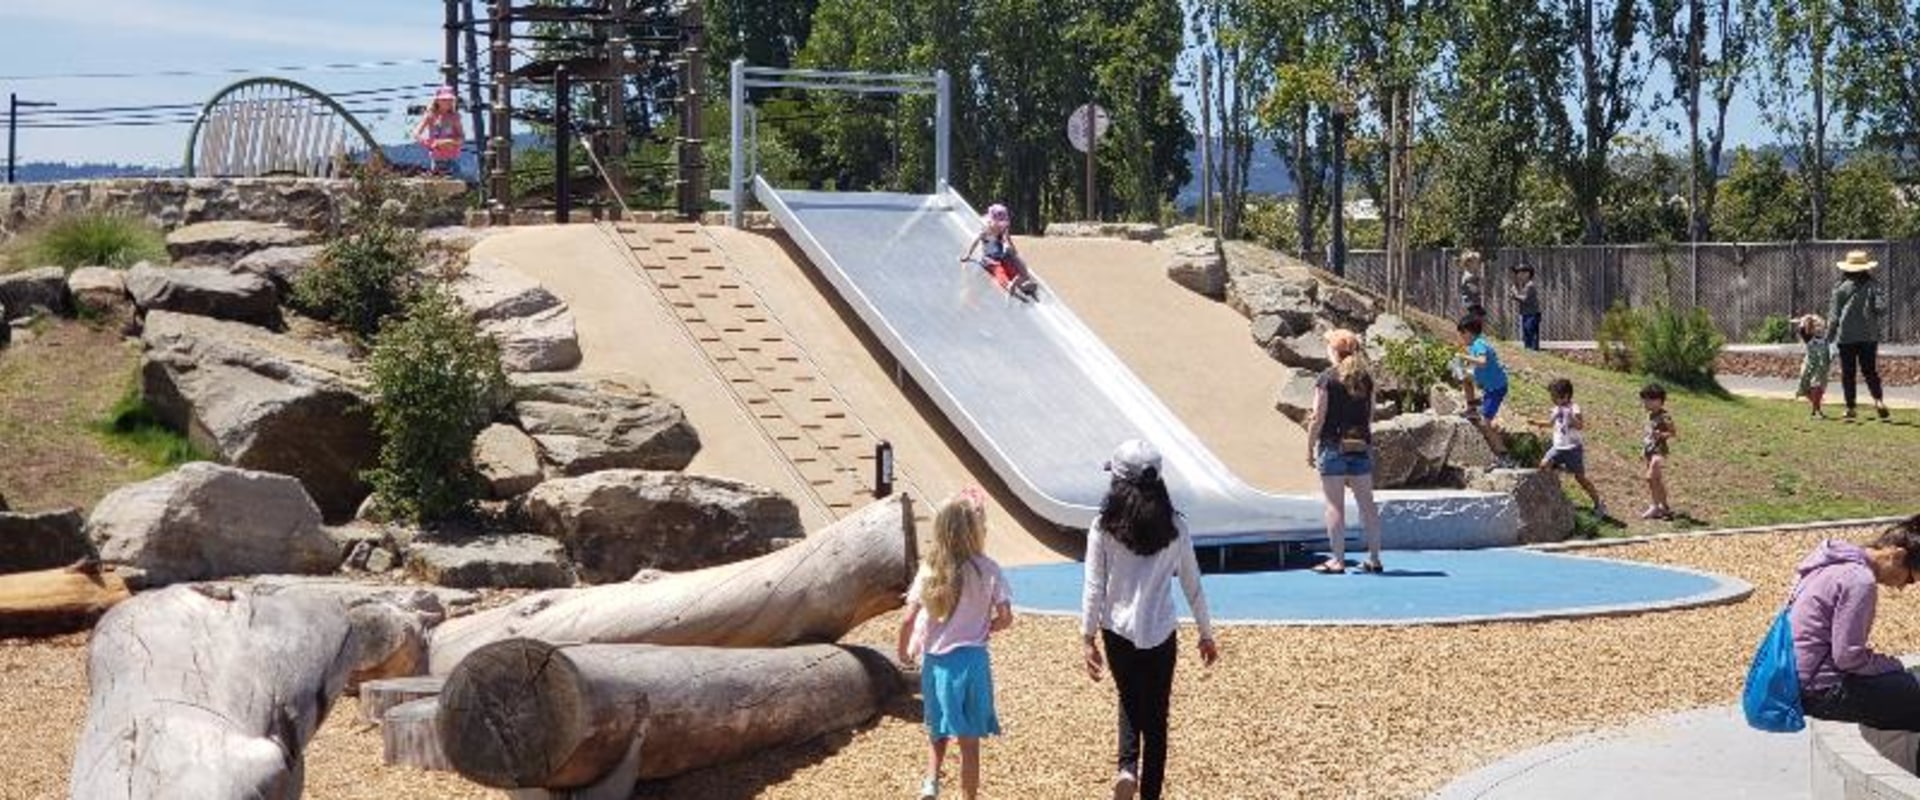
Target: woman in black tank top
(1340, 447)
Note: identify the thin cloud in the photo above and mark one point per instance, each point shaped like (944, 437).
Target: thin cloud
(188, 20)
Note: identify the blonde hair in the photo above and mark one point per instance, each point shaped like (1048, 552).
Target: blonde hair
(1470, 260)
(959, 534)
(1350, 362)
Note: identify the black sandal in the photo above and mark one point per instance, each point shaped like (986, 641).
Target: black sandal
(1371, 566)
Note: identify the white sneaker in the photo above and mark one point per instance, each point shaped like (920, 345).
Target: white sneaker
(930, 789)
(1125, 785)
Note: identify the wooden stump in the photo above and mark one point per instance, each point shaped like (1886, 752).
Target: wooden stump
(378, 696)
(813, 591)
(527, 714)
(52, 601)
(410, 739)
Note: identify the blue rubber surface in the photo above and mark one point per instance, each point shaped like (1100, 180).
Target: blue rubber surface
(1419, 587)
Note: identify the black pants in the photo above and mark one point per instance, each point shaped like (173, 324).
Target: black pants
(1890, 702)
(1145, 681)
(1864, 357)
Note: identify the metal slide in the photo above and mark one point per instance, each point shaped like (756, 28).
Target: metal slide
(1034, 391)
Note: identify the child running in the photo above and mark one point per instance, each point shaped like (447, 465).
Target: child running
(957, 600)
(1817, 368)
(1568, 453)
(1490, 377)
(1660, 429)
(998, 255)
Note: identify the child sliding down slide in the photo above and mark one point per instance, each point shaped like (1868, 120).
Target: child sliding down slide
(998, 256)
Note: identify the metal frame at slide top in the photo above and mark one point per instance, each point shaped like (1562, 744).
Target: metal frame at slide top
(1059, 401)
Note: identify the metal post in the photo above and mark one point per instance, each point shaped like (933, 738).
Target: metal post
(882, 469)
(450, 57)
(942, 132)
(1337, 197)
(562, 145)
(737, 120)
(478, 133)
(1093, 143)
(615, 157)
(1206, 140)
(693, 104)
(500, 174)
(14, 104)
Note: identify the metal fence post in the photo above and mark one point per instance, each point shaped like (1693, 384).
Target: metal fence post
(942, 131)
(737, 122)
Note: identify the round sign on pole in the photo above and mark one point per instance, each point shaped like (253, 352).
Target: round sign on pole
(1082, 119)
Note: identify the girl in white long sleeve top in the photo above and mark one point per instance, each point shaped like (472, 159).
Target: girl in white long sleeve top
(1134, 551)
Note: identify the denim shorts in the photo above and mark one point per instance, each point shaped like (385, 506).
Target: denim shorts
(1334, 463)
(1570, 459)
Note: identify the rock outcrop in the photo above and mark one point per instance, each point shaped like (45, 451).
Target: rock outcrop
(100, 291)
(1426, 450)
(1546, 515)
(45, 540)
(33, 291)
(618, 522)
(281, 265)
(587, 425)
(503, 561)
(206, 292)
(508, 460)
(209, 521)
(1195, 261)
(264, 401)
(221, 244)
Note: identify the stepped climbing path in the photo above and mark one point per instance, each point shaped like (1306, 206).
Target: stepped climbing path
(782, 389)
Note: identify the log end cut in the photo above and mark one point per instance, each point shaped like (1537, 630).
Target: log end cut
(512, 714)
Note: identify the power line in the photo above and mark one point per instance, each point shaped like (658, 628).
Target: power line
(197, 73)
(61, 113)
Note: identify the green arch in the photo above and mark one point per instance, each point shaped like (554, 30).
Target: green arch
(193, 135)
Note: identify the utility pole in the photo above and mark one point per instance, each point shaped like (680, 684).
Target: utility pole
(1337, 194)
(14, 104)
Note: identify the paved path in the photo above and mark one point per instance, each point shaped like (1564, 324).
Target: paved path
(1887, 349)
(1782, 389)
(1707, 753)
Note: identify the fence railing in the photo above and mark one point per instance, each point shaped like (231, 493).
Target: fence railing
(1739, 285)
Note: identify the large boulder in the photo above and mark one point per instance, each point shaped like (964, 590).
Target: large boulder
(1288, 302)
(1306, 351)
(281, 265)
(1546, 515)
(33, 291)
(585, 426)
(1346, 308)
(207, 292)
(221, 244)
(492, 292)
(99, 290)
(208, 521)
(1195, 261)
(42, 541)
(1297, 391)
(544, 342)
(263, 401)
(507, 459)
(505, 561)
(1426, 450)
(620, 521)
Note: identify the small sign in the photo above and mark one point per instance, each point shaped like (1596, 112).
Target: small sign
(1083, 118)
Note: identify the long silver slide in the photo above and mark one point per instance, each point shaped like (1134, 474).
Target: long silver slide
(1035, 392)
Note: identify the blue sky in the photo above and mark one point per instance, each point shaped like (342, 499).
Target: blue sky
(63, 37)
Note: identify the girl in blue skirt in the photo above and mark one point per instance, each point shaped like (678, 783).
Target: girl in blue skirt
(957, 600)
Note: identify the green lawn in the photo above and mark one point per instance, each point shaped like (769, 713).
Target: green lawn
(1737, 462)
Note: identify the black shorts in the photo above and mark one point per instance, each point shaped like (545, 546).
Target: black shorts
(1569, 459)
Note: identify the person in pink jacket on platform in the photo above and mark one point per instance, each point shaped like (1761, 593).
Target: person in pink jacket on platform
(1842, 677)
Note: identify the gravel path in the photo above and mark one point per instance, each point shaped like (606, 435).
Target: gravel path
(1376, 712)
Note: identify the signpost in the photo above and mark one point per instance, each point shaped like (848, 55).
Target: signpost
(1085, 127)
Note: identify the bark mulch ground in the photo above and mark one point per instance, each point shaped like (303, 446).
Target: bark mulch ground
(1289, 712)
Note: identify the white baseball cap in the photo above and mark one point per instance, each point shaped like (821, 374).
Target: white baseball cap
(1133, 458)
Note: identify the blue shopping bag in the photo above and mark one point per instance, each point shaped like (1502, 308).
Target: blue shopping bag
(1772, 697)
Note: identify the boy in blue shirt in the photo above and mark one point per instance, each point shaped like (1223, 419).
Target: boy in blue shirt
(1490, 377)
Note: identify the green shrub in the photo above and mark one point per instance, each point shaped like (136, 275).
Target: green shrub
(1526, 448)
(91, 240)
(1679, 346)
(134, 427)
(1618, 338)
(1775, 329)
(1415, 366)
(367, 271)
(437, 381)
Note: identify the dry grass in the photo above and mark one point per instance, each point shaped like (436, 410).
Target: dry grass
(51, 390)
(1375, 712)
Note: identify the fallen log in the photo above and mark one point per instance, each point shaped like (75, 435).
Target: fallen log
(523, 714)
(378, 696)
(409, 739)
(813, 591)
(213, 692)
(52, 601)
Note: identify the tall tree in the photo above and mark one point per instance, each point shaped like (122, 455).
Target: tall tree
(1802, 39)
(1881, 69)
(767, 33)
(1488, 116)
(1707, 47)
(1599, 74)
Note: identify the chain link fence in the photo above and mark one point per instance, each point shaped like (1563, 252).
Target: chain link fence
(1739, 285)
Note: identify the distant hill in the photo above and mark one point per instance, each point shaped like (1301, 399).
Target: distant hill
(45, 172)
(1269, 175)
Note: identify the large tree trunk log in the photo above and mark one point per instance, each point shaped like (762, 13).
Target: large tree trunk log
(527, 714)
(409, 737)
(813, 591)
(50, 601)
(213, 692)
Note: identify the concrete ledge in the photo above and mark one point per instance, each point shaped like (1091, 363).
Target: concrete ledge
(1444, 520)
(1853, 762)
(1595, 544)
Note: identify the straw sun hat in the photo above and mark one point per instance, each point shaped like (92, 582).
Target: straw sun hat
(1856, 262)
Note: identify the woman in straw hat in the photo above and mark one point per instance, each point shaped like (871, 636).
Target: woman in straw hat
(1854, 321)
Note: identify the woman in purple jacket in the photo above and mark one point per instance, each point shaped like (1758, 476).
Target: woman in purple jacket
(1842, 678)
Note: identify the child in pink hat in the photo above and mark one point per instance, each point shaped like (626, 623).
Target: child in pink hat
(998, 255)
(439, 130)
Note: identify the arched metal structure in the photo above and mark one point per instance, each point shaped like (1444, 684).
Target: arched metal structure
(267, 126)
